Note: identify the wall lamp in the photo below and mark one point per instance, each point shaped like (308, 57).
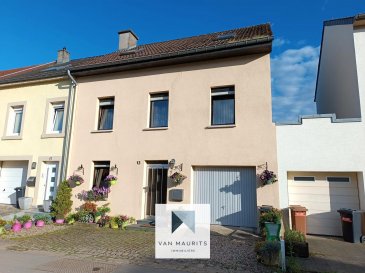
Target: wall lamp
(80, 169)
(173, 167)
(113, 168)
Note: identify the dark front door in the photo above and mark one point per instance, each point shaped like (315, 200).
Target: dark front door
(156, 187)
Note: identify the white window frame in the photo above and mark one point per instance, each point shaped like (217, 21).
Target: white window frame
(12, 108)
(104, 101)
(52, 117)
(156, 96)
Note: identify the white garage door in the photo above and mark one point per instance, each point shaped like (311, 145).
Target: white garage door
(323, 194)
(231, 193)
(12, 174)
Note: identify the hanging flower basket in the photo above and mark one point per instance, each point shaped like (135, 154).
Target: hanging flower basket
(268, 177)
(111, 179)
(177, 178)
(75, 180)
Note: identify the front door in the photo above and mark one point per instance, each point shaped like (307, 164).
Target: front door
(50, 172)
(156, 190)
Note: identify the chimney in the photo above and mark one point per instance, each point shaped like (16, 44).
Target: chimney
(127, 39)
(63, 56)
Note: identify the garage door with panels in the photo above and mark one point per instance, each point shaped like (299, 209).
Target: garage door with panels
(323, 194)
(231, 193)
(12, 174)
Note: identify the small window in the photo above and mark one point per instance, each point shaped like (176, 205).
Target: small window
(56, 117)
(15, 121)
(304, 178)
(223, 109)
(159, 110)
(101, 171)
(106, 114)
(338, 179)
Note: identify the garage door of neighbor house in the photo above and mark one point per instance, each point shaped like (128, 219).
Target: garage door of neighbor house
(12, 174)
(323, 194)
(231, 193)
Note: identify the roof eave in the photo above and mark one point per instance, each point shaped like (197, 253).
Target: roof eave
(262, 45)
(21, 82)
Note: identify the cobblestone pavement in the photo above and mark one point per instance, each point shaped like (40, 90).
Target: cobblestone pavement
(7, 209)
(136, 246)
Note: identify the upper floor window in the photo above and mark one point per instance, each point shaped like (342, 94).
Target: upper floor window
(106, 114)
(101, 171)
(15, 120)
(159, 110)
(56, 116)
(222, 107)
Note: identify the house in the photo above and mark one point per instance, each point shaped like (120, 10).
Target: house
(321, 159)
(33, 105)
(198, 106)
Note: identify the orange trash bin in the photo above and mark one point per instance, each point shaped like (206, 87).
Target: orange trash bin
(299, 218)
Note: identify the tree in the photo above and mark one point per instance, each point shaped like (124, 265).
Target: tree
(62, 205)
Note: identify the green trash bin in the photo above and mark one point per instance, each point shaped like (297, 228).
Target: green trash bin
(272, 231)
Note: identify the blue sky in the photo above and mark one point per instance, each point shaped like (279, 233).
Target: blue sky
(33, 31)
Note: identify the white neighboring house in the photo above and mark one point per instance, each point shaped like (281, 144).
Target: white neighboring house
(322, 157)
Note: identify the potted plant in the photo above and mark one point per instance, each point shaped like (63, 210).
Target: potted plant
(177, 178)
(270, 216)
(71, 219)
(26, 221)
(62, 203)
(267, 177)
(111, 179)
(124, 221)
(104, 221)
(75, 180)
(85, 217)
(295, 244)
(41, 219)
(2, 226)
(101, 211)
(268, 252)
(16, 225)
(114, 222)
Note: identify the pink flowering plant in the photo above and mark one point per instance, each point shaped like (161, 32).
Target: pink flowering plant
(96, 194)
(177, 178)
(268, 177)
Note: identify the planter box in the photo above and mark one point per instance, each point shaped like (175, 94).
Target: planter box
(300, 250)
(47, 205)
(25, 202)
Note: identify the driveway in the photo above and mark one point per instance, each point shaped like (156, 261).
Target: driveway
(330, 254)
(231, 251)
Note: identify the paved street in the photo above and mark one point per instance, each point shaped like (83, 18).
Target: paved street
(86, 248)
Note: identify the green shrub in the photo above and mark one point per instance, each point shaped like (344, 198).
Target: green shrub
(294, 236)
(62, 205)
(44, 217)
(25, 218)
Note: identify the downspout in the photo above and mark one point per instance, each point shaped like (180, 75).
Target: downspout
(68, 129)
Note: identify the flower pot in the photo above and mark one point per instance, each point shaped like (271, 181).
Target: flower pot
(47, 205)
(114, 225)
(17, 227)
(297, 249)
(25, 202)
(60, 221)
(97, 218)
(40, 223)
(112, 182)
(78, 183)
(28, 225)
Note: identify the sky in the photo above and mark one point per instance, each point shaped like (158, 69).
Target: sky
(33, 31)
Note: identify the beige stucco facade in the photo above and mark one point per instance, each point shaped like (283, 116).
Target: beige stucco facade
(188, 139)
(34, 144)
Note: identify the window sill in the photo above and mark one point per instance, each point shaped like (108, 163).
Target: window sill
(53, 135)
(11, 138)
(101, 131)
(220, 126)
(155, 129)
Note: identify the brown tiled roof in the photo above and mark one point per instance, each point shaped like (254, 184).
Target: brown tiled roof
(219, 41)
(22, 70)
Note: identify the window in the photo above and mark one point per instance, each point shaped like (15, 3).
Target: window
(338, 179)
(56, 117)
(304, 178)
(222, 106)
(106, 114)
(101, 170)
(15, 120)
(159, 110)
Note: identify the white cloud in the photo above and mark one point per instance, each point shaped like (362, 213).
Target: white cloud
(294, 74)
(278, 42)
